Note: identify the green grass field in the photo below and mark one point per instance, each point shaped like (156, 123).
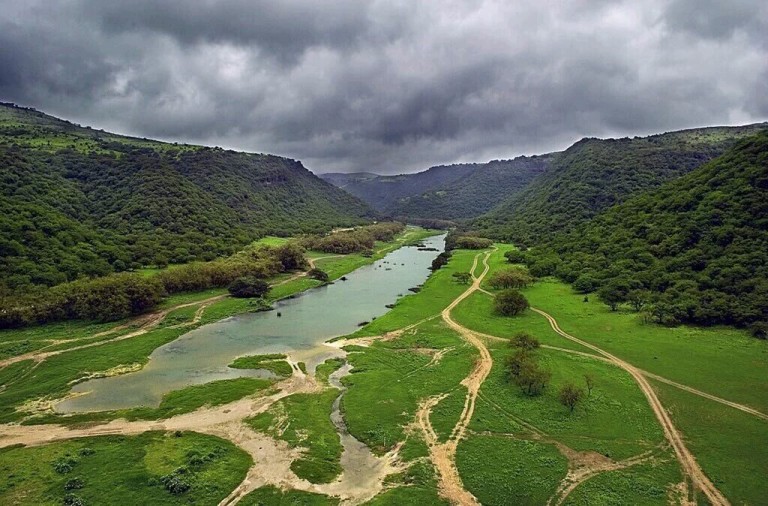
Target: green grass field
(122, 470)
(720, 361)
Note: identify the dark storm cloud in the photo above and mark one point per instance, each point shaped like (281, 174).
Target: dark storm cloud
(387, 85)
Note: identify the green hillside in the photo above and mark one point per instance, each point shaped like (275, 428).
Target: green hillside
(475, 193)
(593, 175)
(82, 202)
(694, 250)
(445, 192)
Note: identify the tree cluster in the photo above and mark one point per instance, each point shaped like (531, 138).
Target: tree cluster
(522, 367)
(360, 240)
(121, 295)
(512, 277)
(510, 303)
(693, 251)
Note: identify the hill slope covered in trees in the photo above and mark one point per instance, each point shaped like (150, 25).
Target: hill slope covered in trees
(81, 202)
(380, 192)
(594, 174)
(475, 193)
(445, 192)
(694, 250)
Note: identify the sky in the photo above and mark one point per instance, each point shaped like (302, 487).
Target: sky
(388, 86)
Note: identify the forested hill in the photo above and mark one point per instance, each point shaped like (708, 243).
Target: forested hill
(445, 192)
(475, 193)
(694, 250)
(381, 192)
(594, 174)
(77, 201)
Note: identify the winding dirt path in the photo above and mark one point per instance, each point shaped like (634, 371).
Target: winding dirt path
(688, 463)
(443, 455)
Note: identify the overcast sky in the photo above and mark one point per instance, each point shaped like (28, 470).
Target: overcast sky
(387, 86)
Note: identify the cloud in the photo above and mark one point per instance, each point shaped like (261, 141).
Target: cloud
(387, 86)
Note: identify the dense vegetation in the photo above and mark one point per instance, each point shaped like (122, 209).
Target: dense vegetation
(449, 192)
(381, 192)
(695, 250)
(77, 202)
(593, 175)
(121, 295)
(474, 194)
(358, 240)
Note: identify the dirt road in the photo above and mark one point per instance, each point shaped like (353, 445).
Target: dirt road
(690, 467)
(443, 455)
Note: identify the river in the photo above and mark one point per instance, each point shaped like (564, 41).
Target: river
(306, 322)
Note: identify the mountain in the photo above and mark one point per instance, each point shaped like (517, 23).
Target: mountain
(474, 193)
(83, 202)
(696, 248)
(381, 192)
(445, 192)
(594, 174)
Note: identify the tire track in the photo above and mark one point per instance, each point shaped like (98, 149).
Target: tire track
(687, 461)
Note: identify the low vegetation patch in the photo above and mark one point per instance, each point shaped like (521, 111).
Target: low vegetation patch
(275, 363)
(152, 468)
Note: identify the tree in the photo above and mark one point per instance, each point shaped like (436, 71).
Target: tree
(513, 364)
(590, 382)
(614, 293)
(585, 283)
(510, 303)
(524, 341)
(638, 298)
(248, 286)
(291, 256)
(515, 256)
(533, 378)
(514, 277)
(318, 275)
(570, 395)
(462, 277)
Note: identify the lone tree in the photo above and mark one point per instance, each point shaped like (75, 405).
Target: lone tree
(589, 380)
(510, 303)
(570, 395)
(514, 277)
(524, 341)
(248, 287)
(318, 275)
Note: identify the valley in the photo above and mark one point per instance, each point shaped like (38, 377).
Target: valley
(580, 327)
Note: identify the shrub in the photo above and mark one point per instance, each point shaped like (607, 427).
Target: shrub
(318, 275)
(510, 303)
(72, 500)
(514, 277)
(74, 484)
(175, 483)
(759, 330)
(247, 287)
(64, 465)
(472, 242)
(524, 341)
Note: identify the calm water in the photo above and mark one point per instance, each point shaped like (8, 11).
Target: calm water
(315, 316)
